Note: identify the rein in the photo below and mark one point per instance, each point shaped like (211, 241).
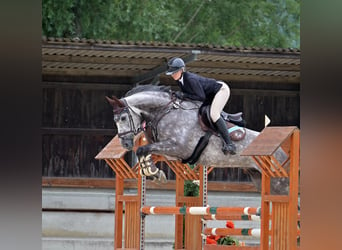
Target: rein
(153, 123)
(177, 104)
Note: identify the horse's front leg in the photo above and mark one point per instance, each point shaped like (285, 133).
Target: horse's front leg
(166, 148)
(147, 166)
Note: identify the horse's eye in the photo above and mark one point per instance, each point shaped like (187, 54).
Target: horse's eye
(123, 118)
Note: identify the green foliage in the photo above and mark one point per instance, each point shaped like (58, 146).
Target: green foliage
(191, 189)
(58, 18)
(261, 23)
(228, 240)
(78, 18)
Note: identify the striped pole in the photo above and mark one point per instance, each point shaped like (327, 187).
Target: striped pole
(232, 231)
(249, 217)
(235, 231)
(201, 210)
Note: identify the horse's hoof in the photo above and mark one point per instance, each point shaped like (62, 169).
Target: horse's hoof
(155, 180)
(229, 148)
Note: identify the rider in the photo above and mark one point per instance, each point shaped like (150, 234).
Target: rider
(207, 90)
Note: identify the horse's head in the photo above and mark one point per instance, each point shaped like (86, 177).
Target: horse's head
(127, 121)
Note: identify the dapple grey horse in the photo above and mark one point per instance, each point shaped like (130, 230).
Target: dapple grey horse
(175, 131)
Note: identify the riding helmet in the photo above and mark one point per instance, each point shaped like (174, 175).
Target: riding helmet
(174, 64)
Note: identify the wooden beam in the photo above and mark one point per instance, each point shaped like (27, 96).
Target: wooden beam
(245, 78)
(140, 74)
(265, 92)
(252, 64)
(89, 70)
(77, 131)
(98, 59)
(72, 182)
(86, 85)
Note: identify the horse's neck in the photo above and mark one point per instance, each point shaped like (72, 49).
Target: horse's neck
(147, 102)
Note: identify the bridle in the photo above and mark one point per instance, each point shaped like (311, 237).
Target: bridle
(152, 123)
(133, 129)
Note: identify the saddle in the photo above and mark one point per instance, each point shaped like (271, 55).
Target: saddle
(235, 123)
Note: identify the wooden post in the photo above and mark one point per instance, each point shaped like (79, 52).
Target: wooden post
(118, 212)
(265, 211)
(179, 218)
(128, 222)
(192, 224)
(281, 233)
(294, 180)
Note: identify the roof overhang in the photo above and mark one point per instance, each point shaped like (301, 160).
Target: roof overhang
(134, 63)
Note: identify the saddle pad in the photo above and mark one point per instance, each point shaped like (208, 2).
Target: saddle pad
(236, 133)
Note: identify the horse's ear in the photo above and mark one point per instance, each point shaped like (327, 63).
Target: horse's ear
(115, 102)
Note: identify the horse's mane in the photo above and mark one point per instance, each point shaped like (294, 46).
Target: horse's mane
(148, 87)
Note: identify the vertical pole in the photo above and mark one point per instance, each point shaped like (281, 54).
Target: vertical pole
(204, 194)
(193, 223)
(204, 185)
(142, 193)
(119, 187)
(179, 218)
(265, 211)
(293, 192)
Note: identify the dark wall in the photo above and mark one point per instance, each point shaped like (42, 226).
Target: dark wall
(281, 107)
(77, 122)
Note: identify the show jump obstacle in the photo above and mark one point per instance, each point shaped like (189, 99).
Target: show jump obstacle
(278, 215)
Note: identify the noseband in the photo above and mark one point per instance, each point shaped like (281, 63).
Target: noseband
(132, 129)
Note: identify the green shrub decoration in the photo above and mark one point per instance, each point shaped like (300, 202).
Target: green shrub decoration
(191, 189)
(227, 241)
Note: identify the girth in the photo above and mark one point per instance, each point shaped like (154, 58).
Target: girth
(201, 145)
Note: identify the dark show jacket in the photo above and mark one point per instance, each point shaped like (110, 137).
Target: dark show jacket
(199, 88)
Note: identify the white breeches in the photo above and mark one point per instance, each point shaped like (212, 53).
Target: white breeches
(219, 101)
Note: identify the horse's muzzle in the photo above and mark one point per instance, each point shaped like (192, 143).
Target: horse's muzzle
(127, 143)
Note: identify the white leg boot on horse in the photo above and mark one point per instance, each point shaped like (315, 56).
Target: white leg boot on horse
(228, 145)
(148, 168)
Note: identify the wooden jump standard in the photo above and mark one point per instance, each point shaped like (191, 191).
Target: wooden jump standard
(132, 220)
(279, 213)
(280, 230)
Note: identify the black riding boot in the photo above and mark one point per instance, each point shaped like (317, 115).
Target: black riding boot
(228, 145)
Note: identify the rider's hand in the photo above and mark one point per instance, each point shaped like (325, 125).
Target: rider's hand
(179, 94)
